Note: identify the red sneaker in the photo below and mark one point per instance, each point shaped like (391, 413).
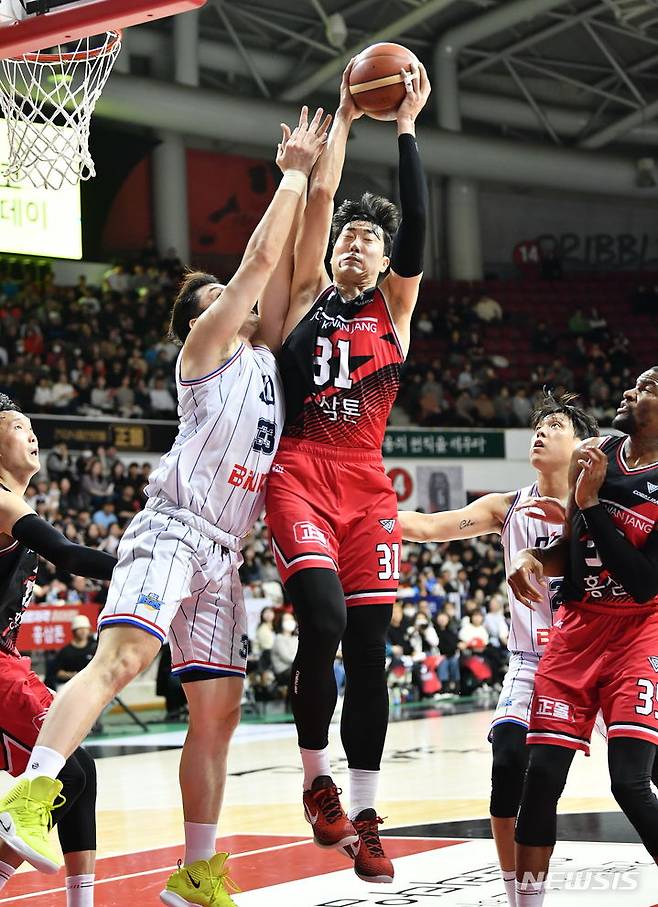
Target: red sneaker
(331, 827)
(370, 862)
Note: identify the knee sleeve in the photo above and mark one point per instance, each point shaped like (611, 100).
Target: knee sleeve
(548, 767)
(319, 604)
(510, 760)
(76, 826)
(365, 710)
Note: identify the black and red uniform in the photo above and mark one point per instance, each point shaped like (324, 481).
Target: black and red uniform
(24, 699)
(330, 503)
(603, 649)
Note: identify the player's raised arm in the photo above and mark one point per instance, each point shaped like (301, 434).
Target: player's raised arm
(274, 301)
(310, 276)
(213, 335)
(485, 515)
(18, 520)
(402, 282)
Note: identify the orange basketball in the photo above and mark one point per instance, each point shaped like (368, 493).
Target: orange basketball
(375, 80)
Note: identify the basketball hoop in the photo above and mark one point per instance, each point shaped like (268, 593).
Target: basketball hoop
(48, 98)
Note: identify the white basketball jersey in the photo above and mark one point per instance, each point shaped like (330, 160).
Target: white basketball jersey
(230, 425)
(529, 629)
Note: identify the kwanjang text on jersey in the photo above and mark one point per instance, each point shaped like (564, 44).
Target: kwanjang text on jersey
(341, 371)
(630, 496)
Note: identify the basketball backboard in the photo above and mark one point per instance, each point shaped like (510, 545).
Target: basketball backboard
(38, 24)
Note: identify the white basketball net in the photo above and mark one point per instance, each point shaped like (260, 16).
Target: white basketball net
(48, 99)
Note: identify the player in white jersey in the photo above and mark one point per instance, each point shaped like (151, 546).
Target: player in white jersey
(558, 429)
(177, 573)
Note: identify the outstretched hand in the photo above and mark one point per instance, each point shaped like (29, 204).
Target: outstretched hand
(593, 464)
(300, 148)
(550, 510)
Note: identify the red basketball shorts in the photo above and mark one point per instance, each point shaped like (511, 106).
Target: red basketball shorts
(335, 508)
(24, 701)
(594, 661)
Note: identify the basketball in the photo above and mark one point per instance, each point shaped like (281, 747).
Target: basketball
(376, 83)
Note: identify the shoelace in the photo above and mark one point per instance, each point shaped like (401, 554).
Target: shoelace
(42, 815)
(221, 882)
(329, 802)
(368, 832)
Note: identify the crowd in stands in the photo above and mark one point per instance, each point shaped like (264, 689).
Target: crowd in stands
(103, 350)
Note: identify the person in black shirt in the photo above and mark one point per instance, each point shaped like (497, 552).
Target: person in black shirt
(24, 699)
(78, 653)
(602, 650)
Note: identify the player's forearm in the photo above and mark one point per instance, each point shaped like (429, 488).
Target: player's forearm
(554, 558)
(327, 174)
(444, 527)
(40, 536)
(269, 238)
(635, 569)
(409, 242)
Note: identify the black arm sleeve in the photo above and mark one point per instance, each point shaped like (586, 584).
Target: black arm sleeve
(409, 242)
(33, 532)
(636, 569)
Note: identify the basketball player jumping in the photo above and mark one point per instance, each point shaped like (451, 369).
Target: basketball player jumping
(559, 427)
(330, 506)
(603, 648)
(177, 575)
(24, 700)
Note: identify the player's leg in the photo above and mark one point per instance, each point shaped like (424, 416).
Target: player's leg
(209, 647)
(76, 827)
(631, 762)
(156, 562)
(510, 761)
(364, 721)
(319, 604)
(536, 828)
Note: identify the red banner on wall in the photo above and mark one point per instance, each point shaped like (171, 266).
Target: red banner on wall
(47, 628)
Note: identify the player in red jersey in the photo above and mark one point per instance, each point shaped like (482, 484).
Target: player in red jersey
(331, 508)
(24, 699)
(603, 651)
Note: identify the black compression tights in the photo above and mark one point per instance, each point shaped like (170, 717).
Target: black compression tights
(324, 621)
(76, 819)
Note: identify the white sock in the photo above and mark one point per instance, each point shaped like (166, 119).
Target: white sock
(509, 880)
(6, 872)
(316, 763)
(530, 894)
(44, 762)
(80, 891)
(199, 842)
(363, 790)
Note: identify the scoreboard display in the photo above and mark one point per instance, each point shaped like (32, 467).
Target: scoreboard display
(38, 221)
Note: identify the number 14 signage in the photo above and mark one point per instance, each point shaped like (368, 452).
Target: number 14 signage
(432, 443)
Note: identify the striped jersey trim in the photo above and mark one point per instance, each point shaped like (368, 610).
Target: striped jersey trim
(135, 620)
(311, 556)
(621, 729)
(189, 382)
(509, 513)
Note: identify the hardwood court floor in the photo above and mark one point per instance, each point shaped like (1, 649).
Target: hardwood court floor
(434, 793)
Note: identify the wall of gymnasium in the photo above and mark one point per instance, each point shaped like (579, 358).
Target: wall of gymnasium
(229, 193)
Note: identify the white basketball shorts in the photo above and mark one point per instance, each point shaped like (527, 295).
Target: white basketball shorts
(516, 695)
(182, 585)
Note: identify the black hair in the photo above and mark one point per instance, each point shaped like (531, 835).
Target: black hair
(7, 405)
(375, 209)
(186, 305)
(584, 425)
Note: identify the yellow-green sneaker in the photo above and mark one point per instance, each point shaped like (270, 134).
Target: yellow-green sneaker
(26, 820)
(201, 884)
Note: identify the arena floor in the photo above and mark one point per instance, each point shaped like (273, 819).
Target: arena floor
(434, 794)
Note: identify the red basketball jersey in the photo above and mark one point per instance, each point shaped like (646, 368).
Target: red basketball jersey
(341, 370)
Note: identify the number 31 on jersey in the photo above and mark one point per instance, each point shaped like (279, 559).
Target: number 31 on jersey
(389, 560)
